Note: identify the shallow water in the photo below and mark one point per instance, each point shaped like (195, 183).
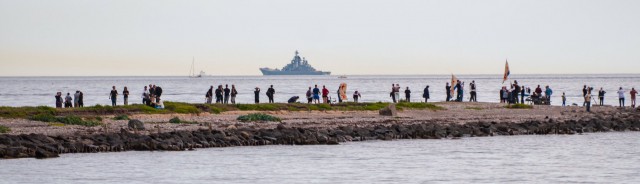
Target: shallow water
(588, 158)
(34, 91)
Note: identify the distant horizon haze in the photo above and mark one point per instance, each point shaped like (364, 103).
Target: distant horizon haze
(357, 37)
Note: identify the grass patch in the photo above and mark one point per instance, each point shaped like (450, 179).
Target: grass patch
(4, 129)
(121, 117)
(257, 117)
(519, 106)
(429, 106)
(67, 120)
(48, 114)
(176, 120)
(181, 108)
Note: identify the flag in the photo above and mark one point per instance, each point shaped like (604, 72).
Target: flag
(454, 81)
(506, 71)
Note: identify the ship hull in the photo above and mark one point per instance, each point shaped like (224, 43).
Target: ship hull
(278, 72)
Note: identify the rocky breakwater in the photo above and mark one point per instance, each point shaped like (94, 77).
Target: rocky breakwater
(41, 146)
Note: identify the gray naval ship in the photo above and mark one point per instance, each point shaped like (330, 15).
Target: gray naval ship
(298, 66)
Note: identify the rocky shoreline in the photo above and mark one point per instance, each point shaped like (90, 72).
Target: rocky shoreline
(50, 146)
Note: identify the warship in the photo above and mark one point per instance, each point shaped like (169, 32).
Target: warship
(298, 66)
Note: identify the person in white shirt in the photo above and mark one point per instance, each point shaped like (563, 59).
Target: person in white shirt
(145, 96)
(621, 97)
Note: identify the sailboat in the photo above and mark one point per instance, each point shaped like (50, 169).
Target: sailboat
(192, 72)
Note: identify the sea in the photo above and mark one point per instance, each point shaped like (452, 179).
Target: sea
(587, 158)
(40, 91)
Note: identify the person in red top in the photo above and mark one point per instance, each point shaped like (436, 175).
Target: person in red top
(633, 97)
(325, 94)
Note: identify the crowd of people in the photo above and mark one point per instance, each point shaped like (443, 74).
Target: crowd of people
(69, 102)
(515, 94)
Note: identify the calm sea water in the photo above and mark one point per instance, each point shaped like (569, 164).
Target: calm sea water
(589, 158)
(34, 91)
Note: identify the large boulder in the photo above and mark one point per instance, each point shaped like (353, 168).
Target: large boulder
(136, 124)
(389, 110)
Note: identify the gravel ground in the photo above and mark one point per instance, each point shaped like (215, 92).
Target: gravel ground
(454, 113)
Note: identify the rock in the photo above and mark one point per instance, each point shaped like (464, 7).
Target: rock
(41, 153)
(389, 110)
(136, 124)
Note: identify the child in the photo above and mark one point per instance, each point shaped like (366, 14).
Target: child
(564, 99)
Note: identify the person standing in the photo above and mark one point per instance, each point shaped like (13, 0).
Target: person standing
(145, 96)
(339, 96)
(234, 93)
(76, 99)
(152, 94)
(473, 94)
(81, 99)
(393, 93)
(227, 93)
(325, 94)
(270, 93)
(67, 101)
(517, 89)
(125, 93)
(448, 91)
(316, 94)
(425, 94)
(587, 101)
(256, 93)
(621, 97)
(219, 94)
(584, 93)
(209, 95)
(59, 100)
(396, 92)
(601, 96)
(309, 95)
(459, 91)
(407, 94)
(564, 100)
(356, 96)
(158, 93)
(548, 92)
(633, 97)
(113, 96)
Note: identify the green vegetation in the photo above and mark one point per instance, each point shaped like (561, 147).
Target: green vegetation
(4, 129)
(430, 106)
(68, 120)
(121, 117)
(258, 117)
(46, 113)
(176, 120)
(519, 106)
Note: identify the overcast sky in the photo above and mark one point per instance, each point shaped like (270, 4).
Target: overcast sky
(236, 37)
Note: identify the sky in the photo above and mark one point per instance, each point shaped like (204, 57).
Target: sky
(352, 37)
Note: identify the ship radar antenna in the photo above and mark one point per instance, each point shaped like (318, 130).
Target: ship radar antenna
(296, 52)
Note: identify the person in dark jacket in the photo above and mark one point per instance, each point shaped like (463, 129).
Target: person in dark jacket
(407, 94)
(113, 96)
(601, 94)
(219, 94)
(425, 94)
(59, 100)
(158, 93)
(516, 91)
(227, 94)
(81, 99)
(68, 101)
(309, 95)
(270, 93)
(522, 94)
(209, 95)
(257, 95)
